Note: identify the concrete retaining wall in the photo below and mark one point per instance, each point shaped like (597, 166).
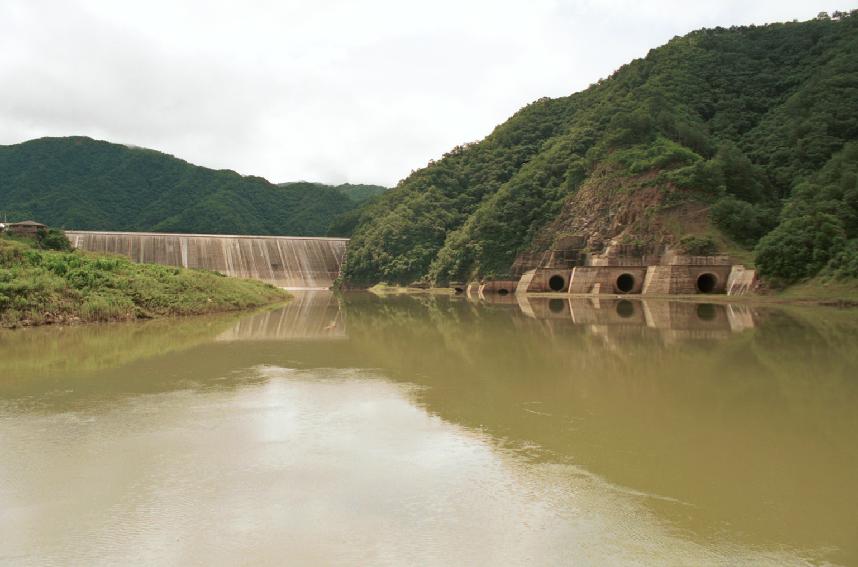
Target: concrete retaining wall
(685, 280)
(689, 279)
(741, 280)
(607, 279)
(543, 278)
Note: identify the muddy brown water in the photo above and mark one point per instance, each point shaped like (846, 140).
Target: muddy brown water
(421, 430)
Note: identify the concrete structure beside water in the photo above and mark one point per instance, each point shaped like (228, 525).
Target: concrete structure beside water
(623, 270)
(284, 261)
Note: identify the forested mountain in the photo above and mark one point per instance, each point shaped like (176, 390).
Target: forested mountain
(359, 193)
(743, 137)
(82, 183)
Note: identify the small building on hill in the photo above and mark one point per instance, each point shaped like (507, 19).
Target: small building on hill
(25, 227)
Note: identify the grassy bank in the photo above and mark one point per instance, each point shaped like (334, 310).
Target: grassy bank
(42, 287)
(822, 290)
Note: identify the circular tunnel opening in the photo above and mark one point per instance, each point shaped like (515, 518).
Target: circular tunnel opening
(503, 291)
(459, 289)
(625, 308)
(625, 283)
(706, 312)
(556, 305)
(706, 283)
(556, 283)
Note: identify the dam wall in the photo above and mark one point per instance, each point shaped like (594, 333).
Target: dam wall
(284, 261)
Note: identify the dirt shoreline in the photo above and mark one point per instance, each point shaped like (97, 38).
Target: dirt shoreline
(846, 301)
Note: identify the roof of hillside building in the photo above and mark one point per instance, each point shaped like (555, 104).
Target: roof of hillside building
(26, 223)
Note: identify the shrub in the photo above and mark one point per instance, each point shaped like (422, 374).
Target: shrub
(845, 263)
(800, 247)
(742, 221)
(105, 308)
(53, 239)
(698, 245)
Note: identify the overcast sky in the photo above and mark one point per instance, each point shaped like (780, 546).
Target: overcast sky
(323, 90)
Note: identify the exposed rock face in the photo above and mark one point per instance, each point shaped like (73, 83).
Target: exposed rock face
(283, 261)
(614, 217)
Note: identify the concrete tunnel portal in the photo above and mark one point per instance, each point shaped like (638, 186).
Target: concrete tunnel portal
(706, 282)
(625, 283)
(556, 283)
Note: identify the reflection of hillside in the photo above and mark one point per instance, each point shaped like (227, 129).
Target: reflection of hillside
(310, 315)
(55, 357)
(54, 352)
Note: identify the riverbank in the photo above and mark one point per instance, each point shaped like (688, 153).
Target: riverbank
(39, 287)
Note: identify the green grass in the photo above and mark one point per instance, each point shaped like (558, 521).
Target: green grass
(41, 287)
(823, 290)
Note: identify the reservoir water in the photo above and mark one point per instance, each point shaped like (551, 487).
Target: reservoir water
(424, 430)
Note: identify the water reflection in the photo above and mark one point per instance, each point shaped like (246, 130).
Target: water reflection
(311, 315)
(698, 320)
(612, 431)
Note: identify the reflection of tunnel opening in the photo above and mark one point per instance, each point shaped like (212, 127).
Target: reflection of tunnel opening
(555, 305)
(625, 308)
(706, 283)
(556, 283)
(625, 283)
(706, 311)
(503, 291)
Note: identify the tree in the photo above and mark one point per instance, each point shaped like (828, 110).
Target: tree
(800, 247)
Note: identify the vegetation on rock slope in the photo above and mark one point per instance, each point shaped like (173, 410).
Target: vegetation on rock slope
(40, 286)
(735, 134)
(82, 183)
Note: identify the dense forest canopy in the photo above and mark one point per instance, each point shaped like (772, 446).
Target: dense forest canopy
(744, 136)
(82, 183)
(358, 193)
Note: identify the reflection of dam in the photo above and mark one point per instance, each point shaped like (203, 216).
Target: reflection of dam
(310, 315)
(284, 261)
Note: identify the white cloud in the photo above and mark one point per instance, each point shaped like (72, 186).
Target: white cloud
(330, 90)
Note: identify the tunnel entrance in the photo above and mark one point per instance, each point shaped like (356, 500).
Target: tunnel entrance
(706, 283)
(625, 283)
(556, 283)
(503, 291)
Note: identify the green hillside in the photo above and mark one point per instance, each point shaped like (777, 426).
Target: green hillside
(82, 183)
(358, 193)
(726, 135)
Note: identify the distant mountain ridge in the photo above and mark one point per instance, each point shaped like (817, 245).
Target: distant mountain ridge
(77, 182)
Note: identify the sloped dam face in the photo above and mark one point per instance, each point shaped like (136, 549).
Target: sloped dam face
(285, 261)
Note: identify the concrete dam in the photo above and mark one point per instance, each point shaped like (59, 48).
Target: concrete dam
(290, 262)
